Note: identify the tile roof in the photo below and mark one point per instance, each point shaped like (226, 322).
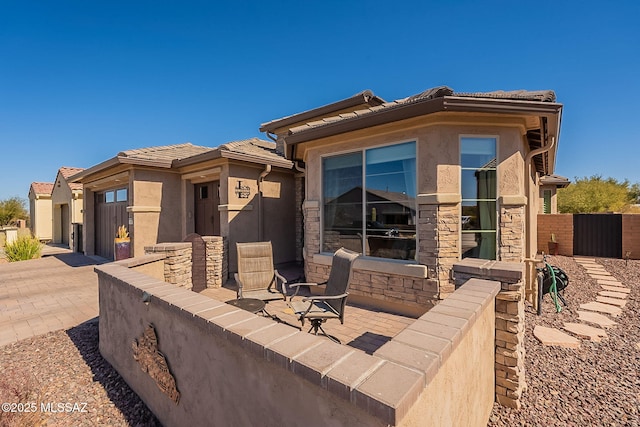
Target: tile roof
(253, 147)
(429, 94)
(366, 97)
(42, 187)
(164, 154)
(67, 172)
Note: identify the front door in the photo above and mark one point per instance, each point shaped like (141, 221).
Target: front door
(207, 199)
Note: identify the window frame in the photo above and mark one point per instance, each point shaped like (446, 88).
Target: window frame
(362, 150)
(497, 189)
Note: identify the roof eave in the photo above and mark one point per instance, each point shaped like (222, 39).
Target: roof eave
(364, 97)
(283, 163)
(198, 158)
(118, 160)
(415, 109)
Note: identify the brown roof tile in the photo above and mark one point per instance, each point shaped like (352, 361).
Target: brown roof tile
(68, 171)
(254, 147)
(42, 187)
(166, 153)
(433, 93)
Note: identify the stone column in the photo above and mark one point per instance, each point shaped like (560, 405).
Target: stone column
(438, 236)
(217, 260)
(177, 264)
(510, 323)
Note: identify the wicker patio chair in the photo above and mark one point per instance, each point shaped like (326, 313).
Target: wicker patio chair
(256, 276)
(331, 305)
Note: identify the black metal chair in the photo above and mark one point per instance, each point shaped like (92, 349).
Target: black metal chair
(331, 305)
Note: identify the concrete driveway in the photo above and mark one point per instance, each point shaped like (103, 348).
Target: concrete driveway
(42, 295)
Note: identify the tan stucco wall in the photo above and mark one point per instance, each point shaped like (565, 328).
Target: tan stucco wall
(238, 368)
(438, 147)
(41, 215)
(469, 372)
(63, 195)
(156, 208)
(245, 221)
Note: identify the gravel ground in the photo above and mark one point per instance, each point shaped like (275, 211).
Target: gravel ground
(65, 367)
(597, 384)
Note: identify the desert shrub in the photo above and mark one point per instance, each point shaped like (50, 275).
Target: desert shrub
(18, 386)
(23, 248)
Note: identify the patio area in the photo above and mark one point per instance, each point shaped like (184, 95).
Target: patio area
(365, 328)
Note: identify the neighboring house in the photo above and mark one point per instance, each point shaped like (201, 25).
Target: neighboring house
(66, 199)
(241, 190)
(468, 163)
(40, 210)
(549, 185)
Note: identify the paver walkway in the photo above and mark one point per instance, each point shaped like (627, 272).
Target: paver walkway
(47, 294)
(364, 328)
(609, 301)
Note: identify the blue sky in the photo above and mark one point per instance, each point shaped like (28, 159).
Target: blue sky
(82, 80)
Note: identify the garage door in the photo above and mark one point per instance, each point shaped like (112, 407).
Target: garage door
(110, 213)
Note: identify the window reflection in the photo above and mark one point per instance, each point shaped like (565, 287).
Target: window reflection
(386, 227)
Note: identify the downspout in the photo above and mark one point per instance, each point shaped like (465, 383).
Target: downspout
(265, 172)
(272, 137)
(529, 258)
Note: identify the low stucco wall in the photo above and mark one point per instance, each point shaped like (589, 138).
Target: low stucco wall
(238, 368)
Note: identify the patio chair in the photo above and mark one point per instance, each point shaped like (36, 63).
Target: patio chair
(256, 277)
(331, 305)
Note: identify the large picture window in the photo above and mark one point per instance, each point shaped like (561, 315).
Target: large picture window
(479, 209)
(369, 201)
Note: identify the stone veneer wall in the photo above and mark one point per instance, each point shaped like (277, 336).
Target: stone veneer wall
(217, 260)
(177, 264)
(511, 226)
(510, 323)
(203, 340)
(439, 233)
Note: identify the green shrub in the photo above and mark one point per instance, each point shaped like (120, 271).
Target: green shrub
(23, 248)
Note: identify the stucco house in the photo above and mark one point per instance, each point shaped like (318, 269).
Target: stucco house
(549, 185)
(67, 201)
(241, 190)
(467, 164)
(40, 210)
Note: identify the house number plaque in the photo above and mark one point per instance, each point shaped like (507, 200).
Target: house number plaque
(153, 362)
(242, 191)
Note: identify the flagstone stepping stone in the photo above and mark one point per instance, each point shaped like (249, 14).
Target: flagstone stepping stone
(620, 295)
(602, 308)
(601, 277)
(616, 289)
(612, 301)
(585, 331)
(598, 272)
(596, 318)
(555, 337)
(580, 259)
(609, 282)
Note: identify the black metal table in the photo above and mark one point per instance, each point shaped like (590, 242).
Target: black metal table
(250, 304)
